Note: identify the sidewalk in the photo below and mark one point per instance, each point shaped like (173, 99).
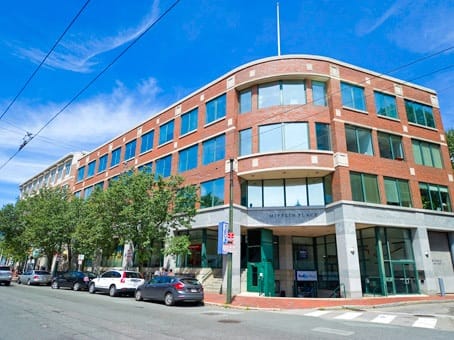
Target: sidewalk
(282, 303)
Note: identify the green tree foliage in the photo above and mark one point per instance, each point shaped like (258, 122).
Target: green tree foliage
(177, 245)
(12, 230)
(450, 137)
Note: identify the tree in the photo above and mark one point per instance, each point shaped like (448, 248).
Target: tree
(12, 230)
(48, 225)
(143, 210)
(450, 137)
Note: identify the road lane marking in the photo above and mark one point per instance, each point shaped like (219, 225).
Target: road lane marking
(425, 323)
(333, 331)
(348, 316)
(383, 318)
(317, 313)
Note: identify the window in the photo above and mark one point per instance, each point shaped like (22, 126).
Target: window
(435, 197)
(67, 168)
(91, 168)
(147, 141)
(77, 194)
(283, 136)
(60, 172)
(246, 101)
(273, 193)
(189, 121)
(358, 140)
(385, 105)
(353, 96)
(212, 193)
(213, 150)
(323, 136)
(419, 114)
(187, 158)
(88, 191)
(130, 149)
(164, 166)
(80, 173)
(390, 146)
(427, 154)
(116, 155)
(215, 109)
(245, 142)
(147, 168)
(102, 163)
(397, 192)
(319, 93)
(166, 132)
(281, 93)
(99, 186)
(364, 187)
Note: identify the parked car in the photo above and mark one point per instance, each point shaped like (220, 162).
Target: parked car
(75, 280)
(116, 282)
(171, 289)
(35, 277)
(6, 275)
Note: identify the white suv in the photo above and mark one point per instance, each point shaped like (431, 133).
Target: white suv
(116, 282)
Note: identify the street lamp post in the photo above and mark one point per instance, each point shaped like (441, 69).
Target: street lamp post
(229, 254)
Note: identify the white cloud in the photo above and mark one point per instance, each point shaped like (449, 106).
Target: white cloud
(79, 53)
(367, 26)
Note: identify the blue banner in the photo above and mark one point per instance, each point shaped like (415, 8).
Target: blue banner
(223, 229)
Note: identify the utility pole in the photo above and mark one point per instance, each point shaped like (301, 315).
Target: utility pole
(229, 254)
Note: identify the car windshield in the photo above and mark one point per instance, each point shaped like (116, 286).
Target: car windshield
(41, 272)
(190, 281)
(4, 268)
(133, 275)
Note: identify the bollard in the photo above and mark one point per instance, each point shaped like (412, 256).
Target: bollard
(442, 286)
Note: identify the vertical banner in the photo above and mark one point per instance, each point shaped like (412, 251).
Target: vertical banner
(223, 229)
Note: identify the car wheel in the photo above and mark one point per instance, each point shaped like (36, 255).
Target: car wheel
(7, 283)
(55, 285)
(18, 282)
(76, 286)
(139, 295)
(113, 291)
(29, 282)
(169, 300)
(91, 288)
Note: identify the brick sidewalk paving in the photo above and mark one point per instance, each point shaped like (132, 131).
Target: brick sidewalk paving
(279, 303)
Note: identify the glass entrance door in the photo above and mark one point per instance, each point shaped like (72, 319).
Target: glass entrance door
(405, 280)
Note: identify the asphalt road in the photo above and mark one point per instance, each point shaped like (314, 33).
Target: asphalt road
(43, 313)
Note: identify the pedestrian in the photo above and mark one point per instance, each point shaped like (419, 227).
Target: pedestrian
(164, 271)
(171, 273)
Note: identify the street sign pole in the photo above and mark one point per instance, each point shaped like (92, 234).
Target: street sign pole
(229, 254)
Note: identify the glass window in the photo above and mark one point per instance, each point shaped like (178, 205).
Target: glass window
(212, 193)
(80, 173)
(269, 95)
(116, 155)
(91, 168)
(147, 141)
(273, 193)
(164, 166)
(323, 135)
(295, 192)
(213, 150)
(254, 194)
(397, 192)
(283, 136)
(353, 96)
(427, 154)
(246, 101)
(147, 168)
(245, 142)
(390, 146)
(102, 165)
(281, 93)
(364, 187)
(319, 93)
(189, 121)
(130, 150)
(358, 140)
(88, 191)
(187, 158)
(435, 197)
(315, 191)
(293, 93)
(385, 105)
(60, 172)
(67, 168)
(419, 114)
(215, 109)
(166, 132)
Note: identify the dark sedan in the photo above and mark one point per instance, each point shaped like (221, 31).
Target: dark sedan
(171, 290)
(75, 280)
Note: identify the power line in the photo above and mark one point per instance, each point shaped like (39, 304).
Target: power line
(80, 92)
(45, 58)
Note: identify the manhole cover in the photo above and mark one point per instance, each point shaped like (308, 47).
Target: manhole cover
(229, 321)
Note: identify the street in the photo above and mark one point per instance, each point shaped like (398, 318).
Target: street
(44, 313)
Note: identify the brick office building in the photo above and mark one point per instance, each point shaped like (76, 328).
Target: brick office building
(341, 177)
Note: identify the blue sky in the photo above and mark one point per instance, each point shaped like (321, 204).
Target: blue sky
(196, 42)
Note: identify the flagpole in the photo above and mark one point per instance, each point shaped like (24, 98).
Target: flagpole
(278, 31)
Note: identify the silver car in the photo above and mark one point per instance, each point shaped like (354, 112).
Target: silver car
(35, 277)
(5, 275)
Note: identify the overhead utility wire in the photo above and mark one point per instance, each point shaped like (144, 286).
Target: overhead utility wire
(45, 58)
(78, 94)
